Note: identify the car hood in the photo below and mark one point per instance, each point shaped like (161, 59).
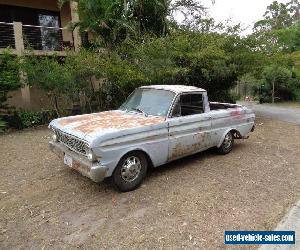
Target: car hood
(89, 126)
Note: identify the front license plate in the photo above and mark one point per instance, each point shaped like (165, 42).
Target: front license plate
(68, 160)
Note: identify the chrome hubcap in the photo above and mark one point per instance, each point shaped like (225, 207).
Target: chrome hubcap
(227, 141)
(131, 169)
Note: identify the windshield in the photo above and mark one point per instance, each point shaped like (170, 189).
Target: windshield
(149, 102)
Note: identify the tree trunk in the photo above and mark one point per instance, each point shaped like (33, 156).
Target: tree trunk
(56, 106)
(94, 93)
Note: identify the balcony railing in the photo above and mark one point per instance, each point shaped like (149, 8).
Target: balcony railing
(38, 39)
(7, 38)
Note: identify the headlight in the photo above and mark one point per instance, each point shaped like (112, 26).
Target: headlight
(91, 156)
(54, 138)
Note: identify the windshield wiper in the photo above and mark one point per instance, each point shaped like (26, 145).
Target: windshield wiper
(140, 111)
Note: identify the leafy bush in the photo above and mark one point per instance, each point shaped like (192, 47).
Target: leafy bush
(48, 74)
(2, 125)
(185, 57)
(9, 76)
(208, 60)
(21, 119)
(297, 95)
(73, 78)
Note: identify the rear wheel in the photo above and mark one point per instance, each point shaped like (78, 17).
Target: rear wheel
(227, 144)
(130, 172)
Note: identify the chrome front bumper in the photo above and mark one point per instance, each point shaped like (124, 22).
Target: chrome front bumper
(94, 171)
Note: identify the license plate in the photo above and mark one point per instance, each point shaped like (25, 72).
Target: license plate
(68, 160)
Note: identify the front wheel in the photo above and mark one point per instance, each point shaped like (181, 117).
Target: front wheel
(227, 144)
(130, 172)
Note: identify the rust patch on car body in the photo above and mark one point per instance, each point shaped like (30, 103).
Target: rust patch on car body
(235, 112)
(69, 120)
(109, 120)
(200, 140)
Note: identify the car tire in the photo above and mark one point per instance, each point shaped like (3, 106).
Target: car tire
(130, 171)
(227, 144)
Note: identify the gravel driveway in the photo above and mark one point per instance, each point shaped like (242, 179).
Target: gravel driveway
(185, 204)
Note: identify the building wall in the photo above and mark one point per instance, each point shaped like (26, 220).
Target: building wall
(32, 97)
(44, 4)
(65, 11)
(38, 100)
(65, 17)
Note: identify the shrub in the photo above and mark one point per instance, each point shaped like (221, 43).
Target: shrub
(297, 95)
(9, 76)
(2, 125)
(49, 75)
(21, 119)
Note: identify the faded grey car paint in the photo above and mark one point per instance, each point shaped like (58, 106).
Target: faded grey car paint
(112, 134)
(188, 135)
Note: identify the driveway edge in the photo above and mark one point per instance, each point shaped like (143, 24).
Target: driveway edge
(290, 222)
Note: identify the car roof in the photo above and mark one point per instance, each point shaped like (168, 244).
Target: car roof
(175, 88)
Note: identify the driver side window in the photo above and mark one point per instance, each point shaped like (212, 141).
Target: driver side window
(188, 104)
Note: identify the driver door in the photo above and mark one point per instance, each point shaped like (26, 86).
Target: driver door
(189, 126)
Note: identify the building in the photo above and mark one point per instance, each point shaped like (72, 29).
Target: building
(39, 28)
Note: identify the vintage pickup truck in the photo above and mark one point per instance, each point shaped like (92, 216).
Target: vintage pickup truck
(156, 125)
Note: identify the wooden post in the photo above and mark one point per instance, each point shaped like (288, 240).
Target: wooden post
(75, 19)
(19, 45)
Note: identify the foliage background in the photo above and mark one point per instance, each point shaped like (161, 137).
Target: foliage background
(139, 42)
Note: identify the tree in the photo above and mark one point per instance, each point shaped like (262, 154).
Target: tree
(192, 11)
(105, 19)
(289, 38)
(277, 79)
(186, 57)
(151, 16)
(294, 10)
(113, 21)
(279, 16)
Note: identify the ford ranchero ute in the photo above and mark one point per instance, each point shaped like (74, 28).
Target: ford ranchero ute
(156, 125)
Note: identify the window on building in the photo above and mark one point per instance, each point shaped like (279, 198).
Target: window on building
(47, 37)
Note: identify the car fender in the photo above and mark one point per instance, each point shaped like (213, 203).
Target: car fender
(224, 134)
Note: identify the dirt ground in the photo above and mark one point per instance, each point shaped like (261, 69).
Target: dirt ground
(285, 104)
(185, 204)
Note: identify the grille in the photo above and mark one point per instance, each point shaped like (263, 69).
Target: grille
(71, 142)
